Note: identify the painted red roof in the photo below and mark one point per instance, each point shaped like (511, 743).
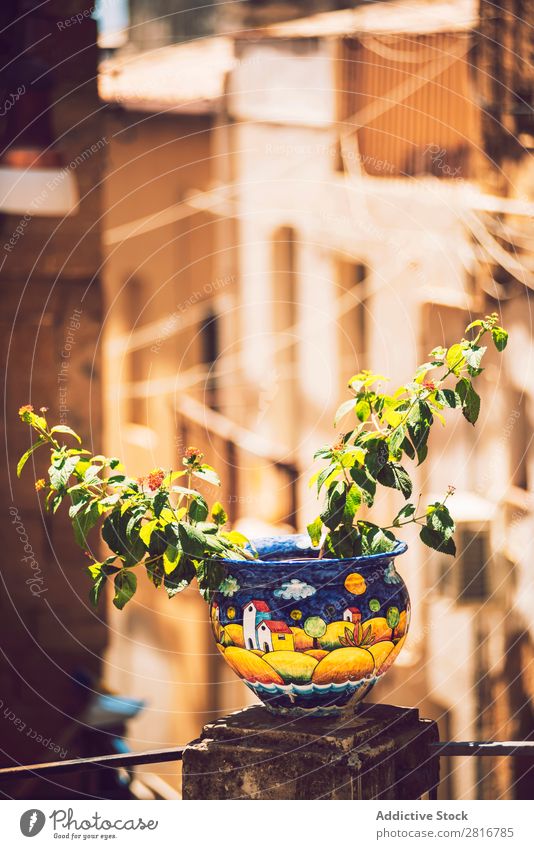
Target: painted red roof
(354, 609)
(277, 627)
(262, 606)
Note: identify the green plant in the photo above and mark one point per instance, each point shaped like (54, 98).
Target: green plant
(171, 530)
(390, 428)
(357, 639)
(153, 522)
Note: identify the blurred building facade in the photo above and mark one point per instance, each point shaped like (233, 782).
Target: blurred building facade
(341, 192)
(383, 152)
(51, 640)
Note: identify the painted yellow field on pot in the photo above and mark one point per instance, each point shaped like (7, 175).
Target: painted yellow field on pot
(334, 632)
(295, 668)
(234, 635)
(250, 666)
(381, 652)
(301, 641)
(343, 665)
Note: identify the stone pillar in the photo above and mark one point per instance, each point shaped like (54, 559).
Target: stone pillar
(380, 752)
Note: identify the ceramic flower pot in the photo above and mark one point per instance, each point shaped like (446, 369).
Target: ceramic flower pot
(309, 636)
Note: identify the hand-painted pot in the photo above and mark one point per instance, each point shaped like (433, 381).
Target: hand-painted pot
(309, 636)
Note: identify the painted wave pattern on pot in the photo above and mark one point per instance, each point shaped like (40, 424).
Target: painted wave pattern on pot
(306, 646)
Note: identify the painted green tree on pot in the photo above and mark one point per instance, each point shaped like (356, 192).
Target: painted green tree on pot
(393, 619)
(315, 627)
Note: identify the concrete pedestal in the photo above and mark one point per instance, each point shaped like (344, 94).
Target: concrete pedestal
(380, 752)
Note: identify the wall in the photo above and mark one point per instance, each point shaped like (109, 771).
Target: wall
(51, 271)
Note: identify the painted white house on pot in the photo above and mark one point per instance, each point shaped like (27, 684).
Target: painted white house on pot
(254, 613)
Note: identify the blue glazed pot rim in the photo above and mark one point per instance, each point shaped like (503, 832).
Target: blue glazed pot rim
(290, 548)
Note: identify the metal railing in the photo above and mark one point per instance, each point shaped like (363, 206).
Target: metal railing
(511, 748)
(476, 749)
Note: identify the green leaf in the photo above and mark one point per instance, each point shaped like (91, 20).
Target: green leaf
(473, 357)
(343, 409)
(420, 421)
(207, 473)
(500, 338)
(235, 538)
(324, 453)
(218, 514)
(161, 500)
(366, 483)
(455, 358)
(198, 509)
(146, 531)
(83, 521)
(408, 448)
(375, 540)
(395, 476)
(323, 476)
(108, 501)
(65, 429)
(60, 474)
(436, 541)
(193, 542)
(343, 542)
(352, 504)
(133, 518)
(447, 397)
(171, 556)
(404, 513)
(155, 571)
(125, 587)
(122, 541)
(363, 410)
(79, 498)
(315, 530)
(27, 454)
(376, 455)
(116, 479)
(476, 323)
(180, 578)
(159, 541)
(332, 515)
(97, 589)
(90, 472)
(395, 441)
(470, 400)
(210, 575)
(439, 519)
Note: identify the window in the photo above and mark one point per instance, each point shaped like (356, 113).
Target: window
(135, 293)
(467, 577)
(410, 101)
(442, 325)
(353, 322)
(209, 338)
(519, 436)
(279, 393)
(473, 578)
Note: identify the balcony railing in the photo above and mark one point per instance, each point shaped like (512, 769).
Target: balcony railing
(511, 748)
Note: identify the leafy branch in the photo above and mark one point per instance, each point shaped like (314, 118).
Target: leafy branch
(152, 521)
(390, 430)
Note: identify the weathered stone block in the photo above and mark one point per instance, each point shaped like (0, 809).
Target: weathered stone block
(380, 752)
